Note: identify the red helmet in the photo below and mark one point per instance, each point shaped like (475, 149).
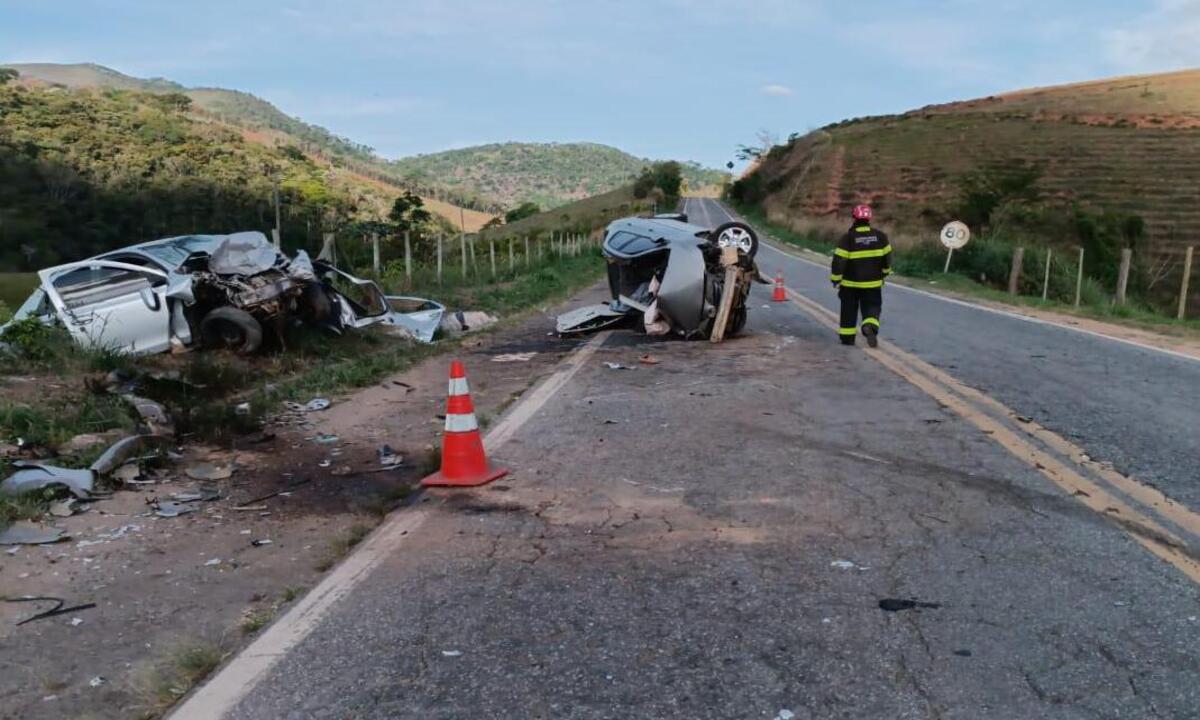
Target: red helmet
(862, 212)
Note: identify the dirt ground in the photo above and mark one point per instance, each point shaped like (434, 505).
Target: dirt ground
(174, 595)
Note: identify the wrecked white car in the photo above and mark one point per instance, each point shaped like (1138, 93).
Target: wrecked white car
(220, 291)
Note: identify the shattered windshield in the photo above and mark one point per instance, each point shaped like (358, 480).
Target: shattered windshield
(173, 251)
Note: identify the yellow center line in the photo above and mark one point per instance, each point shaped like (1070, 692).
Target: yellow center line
(958, 397)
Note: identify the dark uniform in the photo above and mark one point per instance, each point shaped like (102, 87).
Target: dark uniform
(862, 260)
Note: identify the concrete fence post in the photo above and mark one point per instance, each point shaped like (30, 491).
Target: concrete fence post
(492, 253)
(1183, 287)
(407, 257)
(1079, 280)
(1014, 274)
(512, 258)
(1046, 281)
(1123, 274)
(462, 244)
(526, 251)
(439, 259)
(375, 254)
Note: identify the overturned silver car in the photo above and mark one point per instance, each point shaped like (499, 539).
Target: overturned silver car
(670, 275)
(221, 291)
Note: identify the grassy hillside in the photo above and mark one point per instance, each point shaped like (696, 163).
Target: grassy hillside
(1127, 147)
(488, 179)
(82, 171)
(549, 174)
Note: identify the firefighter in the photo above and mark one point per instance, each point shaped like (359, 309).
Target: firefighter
(862, 260)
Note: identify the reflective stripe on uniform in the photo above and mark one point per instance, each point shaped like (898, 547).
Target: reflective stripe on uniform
(847, 331)
(887, 271)
(862, 254)
(835, 278)
(461, 423)
(871, 321)
(863, 228)
(865, 285)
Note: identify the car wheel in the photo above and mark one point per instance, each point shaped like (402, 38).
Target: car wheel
(233, 329)
(738, 235)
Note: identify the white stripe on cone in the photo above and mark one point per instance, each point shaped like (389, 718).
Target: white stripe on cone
(458, 386)
(461, 423)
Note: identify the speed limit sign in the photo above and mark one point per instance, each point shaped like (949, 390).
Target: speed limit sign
(955, 235)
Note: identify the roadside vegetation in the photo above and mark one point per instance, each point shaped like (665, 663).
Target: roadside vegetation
(981, 270)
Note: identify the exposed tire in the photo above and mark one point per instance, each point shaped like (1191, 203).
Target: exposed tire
(736, 234)
(233, 329)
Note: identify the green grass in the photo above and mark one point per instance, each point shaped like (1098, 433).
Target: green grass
(160, 685)
(341, 545)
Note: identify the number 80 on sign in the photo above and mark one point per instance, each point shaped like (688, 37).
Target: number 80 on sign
(955, 235)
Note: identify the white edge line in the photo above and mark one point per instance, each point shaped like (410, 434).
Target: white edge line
(241, 675)
(1005, 313)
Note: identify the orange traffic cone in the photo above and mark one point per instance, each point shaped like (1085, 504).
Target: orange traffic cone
(464, 463)
(780, 294)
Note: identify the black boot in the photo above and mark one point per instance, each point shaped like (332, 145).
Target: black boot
(872, 335)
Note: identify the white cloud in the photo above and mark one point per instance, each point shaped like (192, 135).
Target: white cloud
(1165, 38)
(776, 90)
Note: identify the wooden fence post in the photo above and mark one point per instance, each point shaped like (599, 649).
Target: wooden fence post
(526, 251)
(1079, 280)
(375, 253)
(1046, 282)
(1183, 288)
(492, 253)
(1123, 274)
(439, 264)
(1014, 274)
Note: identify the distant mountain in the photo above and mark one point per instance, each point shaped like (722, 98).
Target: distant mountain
(549, 174)
(489, 178)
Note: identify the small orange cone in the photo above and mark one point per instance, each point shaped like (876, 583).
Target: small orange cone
(464, 463)
(780, 294)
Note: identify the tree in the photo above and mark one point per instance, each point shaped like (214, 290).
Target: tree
(407, 212)
(524, 210)
(7, 75)
(494, 222)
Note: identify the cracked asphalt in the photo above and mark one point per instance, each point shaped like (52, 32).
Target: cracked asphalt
(712, 536)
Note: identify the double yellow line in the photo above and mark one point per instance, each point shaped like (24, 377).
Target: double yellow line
(1156, 522)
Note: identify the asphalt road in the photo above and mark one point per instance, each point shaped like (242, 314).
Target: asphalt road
(729, 534)
(1138, 409)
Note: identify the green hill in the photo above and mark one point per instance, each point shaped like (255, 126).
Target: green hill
(490, 178)
(84, 170)
(1127, 146)
(549, 174)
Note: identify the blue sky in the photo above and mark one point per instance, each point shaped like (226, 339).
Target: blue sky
(687, 79)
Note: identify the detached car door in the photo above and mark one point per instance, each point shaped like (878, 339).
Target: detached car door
(111, 305)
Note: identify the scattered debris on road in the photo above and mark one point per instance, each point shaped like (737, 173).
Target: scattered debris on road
(31, 476)
(58, 608)
(30, 533)
(514, 357)
(617, 366)
(897, 604)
